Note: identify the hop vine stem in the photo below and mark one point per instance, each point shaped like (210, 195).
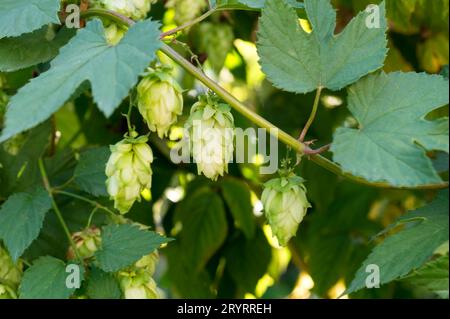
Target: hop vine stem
(56, 209)
(284, 137)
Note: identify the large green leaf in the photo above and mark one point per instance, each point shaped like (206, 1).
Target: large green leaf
(433, 276)
(111, 70)
(122, 245)
(238, 198)
(102, 285)
(90, 171)
(22, 16)
(299, 62)
(46, 279)
(390, 109)
(21, 219)
(31, 48)
(424, 230)
(204, 226)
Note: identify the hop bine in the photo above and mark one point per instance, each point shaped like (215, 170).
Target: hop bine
(129, 171)
(134, 9)
(285, 206)
(160, 101)
(211, 134)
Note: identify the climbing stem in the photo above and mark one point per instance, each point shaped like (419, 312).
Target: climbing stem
(56, 209)
(188, 24)
(284, 137)
(86, 200)
(312, 116)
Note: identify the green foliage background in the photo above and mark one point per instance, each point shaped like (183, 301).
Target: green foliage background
(221, 248)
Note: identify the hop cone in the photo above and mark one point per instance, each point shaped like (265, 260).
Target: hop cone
(114, 33)
(134, 9)
(186, 10)
(160, 101)
(10, 273)
(129, 171)
(285, 205)
(6, 292)
(87, 241)
(210, 127)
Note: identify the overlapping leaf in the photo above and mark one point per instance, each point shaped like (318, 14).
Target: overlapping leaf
(31, 48)
(111, 70)
(23, 16)
(299, 62)
(426, 229)
(433, 277)
(21, 219)
(123, 245)
(46, 279)
(390, 143)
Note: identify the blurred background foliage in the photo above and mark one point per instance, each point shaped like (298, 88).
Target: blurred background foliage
(223, 247)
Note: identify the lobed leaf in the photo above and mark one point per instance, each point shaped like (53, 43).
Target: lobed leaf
(393, 135)
(297, 61)
(111, 70)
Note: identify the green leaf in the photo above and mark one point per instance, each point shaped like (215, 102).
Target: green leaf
(90, 171)
(21, 219)
(299, 62)
(246, 4)
(46, 279)
(248, 260)
(22, 16)
(238, 198)
(390, 143)
(204, 226)
(18, 166)
(122, 245)
(111, 70)
(425, 230)
(102, 285)
(433, 276)
(31, 48)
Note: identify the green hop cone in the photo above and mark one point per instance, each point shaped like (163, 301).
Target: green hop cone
(87, 242)
(160, 101)
(7, 292)
(186, 10)
(138, 284)
(129, 171)
(114, 33)
(211, 134)
(216, 40)
(148, 263)
(134, 9)
(10, 273)
(285, 206)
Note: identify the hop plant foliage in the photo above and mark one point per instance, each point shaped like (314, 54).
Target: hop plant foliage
(72, 162)
(285, 206)
(129, 171)
(210, 128)
(160, 101)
